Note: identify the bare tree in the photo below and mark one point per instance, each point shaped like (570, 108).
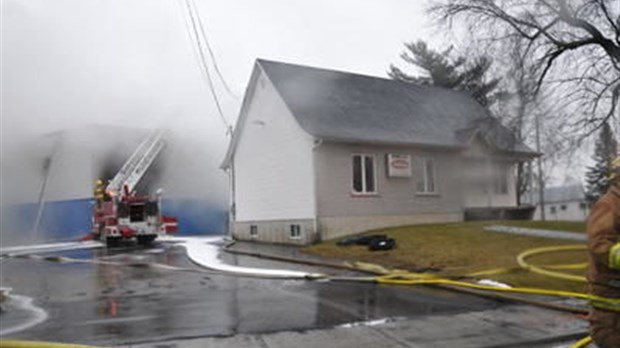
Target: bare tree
(570, 46)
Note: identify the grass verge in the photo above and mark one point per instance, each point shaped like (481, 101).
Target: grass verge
(462, 248)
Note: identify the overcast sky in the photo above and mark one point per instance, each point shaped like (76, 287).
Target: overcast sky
(66, 63)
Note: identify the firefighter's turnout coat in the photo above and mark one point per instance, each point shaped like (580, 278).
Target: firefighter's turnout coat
(603, 236)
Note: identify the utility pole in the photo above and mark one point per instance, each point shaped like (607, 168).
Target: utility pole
(541, 183)
(232, 215)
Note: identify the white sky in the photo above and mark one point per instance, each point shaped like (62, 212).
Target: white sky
(70, 62)
(66, 63)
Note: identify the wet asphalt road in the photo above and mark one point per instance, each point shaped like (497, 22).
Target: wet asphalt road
(112, 305)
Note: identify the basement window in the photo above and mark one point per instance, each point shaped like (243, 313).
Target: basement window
(295, 232)
(364, 178)
(253, 231)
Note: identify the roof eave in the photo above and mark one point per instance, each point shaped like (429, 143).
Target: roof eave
(385, 143)
(456, 147)
(234, 139)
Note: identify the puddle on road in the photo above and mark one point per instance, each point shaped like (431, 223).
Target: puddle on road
(106, 304)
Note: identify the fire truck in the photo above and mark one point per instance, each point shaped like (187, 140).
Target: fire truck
(119, 212)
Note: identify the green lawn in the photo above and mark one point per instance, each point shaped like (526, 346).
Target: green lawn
(462, 248)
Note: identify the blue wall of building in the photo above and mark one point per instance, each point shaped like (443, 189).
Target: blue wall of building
(196, 217)
(71, 219)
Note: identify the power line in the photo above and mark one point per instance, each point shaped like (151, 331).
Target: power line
(205, 67)
(210, 50)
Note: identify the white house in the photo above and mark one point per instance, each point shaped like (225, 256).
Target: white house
(318, 154)
(564, 203)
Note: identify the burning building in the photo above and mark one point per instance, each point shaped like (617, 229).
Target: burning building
(47, 185)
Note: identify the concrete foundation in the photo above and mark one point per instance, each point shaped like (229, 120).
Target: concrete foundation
(340, 226)
(277, 231)
(331, 227)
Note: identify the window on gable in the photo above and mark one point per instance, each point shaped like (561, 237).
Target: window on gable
(364, 178)
(426, 179)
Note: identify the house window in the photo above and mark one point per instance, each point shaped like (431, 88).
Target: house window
(426, 177)
(253, 231)
(582, 206)
(364, 178)
(552, 209)
(295, 232)
(563, 207)
(500, 178)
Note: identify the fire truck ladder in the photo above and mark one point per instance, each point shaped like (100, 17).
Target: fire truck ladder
(136, 166)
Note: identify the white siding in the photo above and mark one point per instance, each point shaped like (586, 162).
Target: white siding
(488, 197)
(564, 211)
(273, 161)
(479, 167)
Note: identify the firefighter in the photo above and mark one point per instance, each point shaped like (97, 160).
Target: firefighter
(99, 191)
(604, 262)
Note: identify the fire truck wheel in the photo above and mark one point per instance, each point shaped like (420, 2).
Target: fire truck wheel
(145, 240)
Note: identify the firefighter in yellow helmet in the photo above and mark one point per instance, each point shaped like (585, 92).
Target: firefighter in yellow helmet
(99, 191)
(604, 267)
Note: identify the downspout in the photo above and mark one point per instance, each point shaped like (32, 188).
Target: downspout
(315, 146)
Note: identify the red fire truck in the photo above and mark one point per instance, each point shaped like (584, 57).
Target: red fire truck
(119, 213)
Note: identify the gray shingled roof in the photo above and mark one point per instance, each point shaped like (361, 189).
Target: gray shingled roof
(342, 106)
(560, 194)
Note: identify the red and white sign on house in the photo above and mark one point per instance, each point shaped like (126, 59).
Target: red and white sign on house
(399, 166)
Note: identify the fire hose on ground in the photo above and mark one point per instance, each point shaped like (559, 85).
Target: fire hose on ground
(405, 278)
(396, 277)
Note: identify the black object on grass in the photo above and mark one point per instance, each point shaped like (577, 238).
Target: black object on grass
(375, 242)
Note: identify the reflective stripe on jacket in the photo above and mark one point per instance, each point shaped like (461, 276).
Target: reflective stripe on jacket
(614, 257)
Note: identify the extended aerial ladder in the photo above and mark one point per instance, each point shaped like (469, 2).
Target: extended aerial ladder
(119, 213)
(125, 181)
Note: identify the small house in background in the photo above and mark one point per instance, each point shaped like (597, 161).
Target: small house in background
(319, 154)
(564, 203)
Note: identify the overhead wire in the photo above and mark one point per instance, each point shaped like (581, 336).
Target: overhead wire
(203, 63)
(211, 54)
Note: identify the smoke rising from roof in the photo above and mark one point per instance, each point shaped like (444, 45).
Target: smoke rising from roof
(69, 64)
(121, 64)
